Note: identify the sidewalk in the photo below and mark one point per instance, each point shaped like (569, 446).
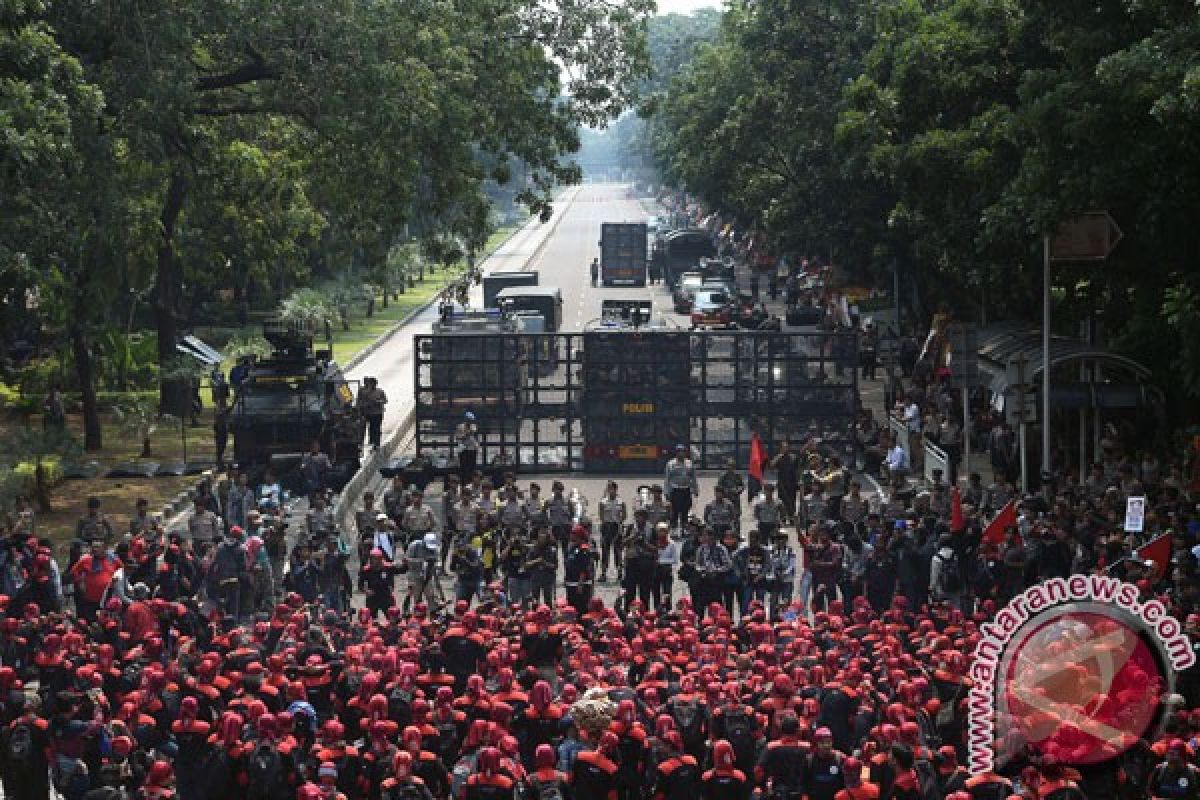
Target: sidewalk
(870, 391)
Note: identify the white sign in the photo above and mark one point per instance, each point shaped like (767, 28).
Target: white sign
(1135, 514)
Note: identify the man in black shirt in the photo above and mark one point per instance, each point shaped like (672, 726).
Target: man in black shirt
(787, 471)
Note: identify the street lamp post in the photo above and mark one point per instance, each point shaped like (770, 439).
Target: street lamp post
(1045, 355)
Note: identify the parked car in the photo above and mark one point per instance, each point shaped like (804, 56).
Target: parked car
(710, 309)
(681, 297)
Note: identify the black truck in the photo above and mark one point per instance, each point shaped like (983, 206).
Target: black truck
(288, 400)
(623, 253)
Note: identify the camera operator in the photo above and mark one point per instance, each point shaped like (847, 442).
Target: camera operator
(513, 564)
(421, 561)
(377, 580)
(334, 579)
(467, 565)
(418, 518)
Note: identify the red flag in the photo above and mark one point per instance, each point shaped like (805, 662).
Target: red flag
(1157, 550)
(758, 458)
(1007, 518)
(957, 521)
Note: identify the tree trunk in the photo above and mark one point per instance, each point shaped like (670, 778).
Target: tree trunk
(173, 397)
(41, 488)
(93, 434)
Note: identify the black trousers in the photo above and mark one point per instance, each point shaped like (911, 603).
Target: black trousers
(374, 429)
(467, 459)
(610, 545)
(787, 496)
(640, 579)
(681, 504)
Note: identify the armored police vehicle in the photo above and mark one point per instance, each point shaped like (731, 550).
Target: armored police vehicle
(288, 400)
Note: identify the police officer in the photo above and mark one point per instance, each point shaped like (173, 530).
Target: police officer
(613, 512)
(679, 481)
(371, 404)
(720, 514)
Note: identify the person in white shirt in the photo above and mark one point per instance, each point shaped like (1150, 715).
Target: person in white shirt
(912, 416)
(668, 561)
(896, 462)
(782, 574)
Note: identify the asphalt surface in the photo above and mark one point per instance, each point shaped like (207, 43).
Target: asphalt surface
(561, 250)
(392, 363)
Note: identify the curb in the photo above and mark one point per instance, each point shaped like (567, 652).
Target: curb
(384, 337)
(343, 505)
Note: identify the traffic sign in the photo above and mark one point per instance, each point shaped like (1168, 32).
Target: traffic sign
(1089, 237)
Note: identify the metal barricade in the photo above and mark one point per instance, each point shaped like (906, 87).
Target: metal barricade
(935, 459)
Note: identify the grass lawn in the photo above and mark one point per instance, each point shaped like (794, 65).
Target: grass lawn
(172, 441)
(347, 343)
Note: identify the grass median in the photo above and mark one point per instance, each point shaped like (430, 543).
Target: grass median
(174, 439)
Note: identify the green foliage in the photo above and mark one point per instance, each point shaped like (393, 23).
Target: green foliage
(948, 137)
(246, 344)
(310, 307)
(218, 155)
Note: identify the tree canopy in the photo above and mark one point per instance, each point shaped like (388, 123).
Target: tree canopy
(947, 137)
(188, 148)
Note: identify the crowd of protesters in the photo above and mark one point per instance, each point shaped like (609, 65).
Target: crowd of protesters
(804, 641)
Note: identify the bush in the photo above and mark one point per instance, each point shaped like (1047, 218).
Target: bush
(12, 399)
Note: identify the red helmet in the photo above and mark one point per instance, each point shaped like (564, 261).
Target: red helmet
(333, 730)
(543, 757)
(411, 739)
(402, 765)
(626, 712)
(489, 761)
(188, 707)
(266, 725)
(541, 695)
(723, 756)
(608, 743)
(160, 774)
(822, 735)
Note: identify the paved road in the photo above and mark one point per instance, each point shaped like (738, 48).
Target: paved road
(392, 363)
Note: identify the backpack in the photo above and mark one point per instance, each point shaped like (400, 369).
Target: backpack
(399, 702)
(579, 565)
(927, 778)
(448, 743)
(463, 770)
(689, 720)
(20, 744)
(550, 790)
(951, 575)
(264, 772)
(630, 758)
(739, 731)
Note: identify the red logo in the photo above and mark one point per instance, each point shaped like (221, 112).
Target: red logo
(1081, 685)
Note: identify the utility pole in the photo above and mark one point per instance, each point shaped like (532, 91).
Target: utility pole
(1045, 355)
(1016, 410)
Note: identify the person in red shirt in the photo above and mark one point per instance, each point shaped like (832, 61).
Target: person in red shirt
(92, 575)
(856, 788)
(906, 785)
(139, 620)
(404, 785)
(724, 781)
(594, 773)
(489, 782)
(546, 782)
